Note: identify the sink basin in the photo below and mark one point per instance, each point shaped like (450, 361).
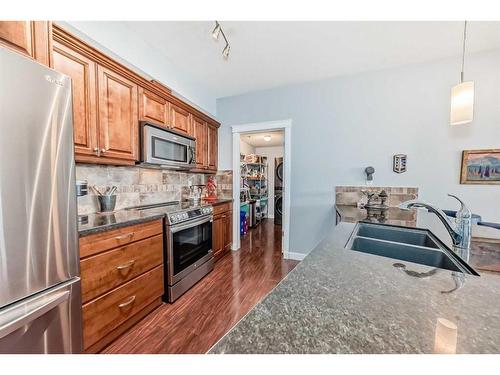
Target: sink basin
(406, 244)
(397, 234)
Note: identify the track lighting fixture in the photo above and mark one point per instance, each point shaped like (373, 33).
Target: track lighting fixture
(215, 33)
(225, 51)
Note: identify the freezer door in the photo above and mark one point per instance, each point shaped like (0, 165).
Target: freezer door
(38, 230)
(49, 322)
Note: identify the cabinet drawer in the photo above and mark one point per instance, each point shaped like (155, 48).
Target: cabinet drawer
(103, 272)
(106, 313)
(222, 208)
(97, 243)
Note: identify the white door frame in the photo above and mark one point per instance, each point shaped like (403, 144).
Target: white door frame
(285, 125)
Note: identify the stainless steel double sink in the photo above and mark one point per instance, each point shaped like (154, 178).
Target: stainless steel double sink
(406, 244)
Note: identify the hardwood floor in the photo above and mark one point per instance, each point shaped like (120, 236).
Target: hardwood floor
(198, 319)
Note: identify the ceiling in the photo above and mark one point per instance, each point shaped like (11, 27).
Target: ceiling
(271, 54)
(257, 139)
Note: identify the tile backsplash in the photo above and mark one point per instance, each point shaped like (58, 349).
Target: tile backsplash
(138, 185)
(351, 195)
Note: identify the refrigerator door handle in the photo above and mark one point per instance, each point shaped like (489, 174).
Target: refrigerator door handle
(28, 315)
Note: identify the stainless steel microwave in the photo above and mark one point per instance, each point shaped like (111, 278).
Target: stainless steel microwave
(166, 148)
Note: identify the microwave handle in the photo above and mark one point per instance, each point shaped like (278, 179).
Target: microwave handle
(192, 157)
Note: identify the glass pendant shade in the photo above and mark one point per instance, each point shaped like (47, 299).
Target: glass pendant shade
(462, 103)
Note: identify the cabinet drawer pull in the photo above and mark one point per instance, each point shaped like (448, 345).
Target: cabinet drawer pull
(126, 265)
(127, 302)
(128, 235)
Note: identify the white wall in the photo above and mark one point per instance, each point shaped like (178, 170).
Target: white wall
(342, 125)
(271, 153)
(127, 48)
(246, 148)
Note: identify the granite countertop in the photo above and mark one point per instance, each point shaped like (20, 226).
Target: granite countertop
(343, 301)
(100, 222)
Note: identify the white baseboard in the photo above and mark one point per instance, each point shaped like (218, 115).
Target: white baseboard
(270, 216)
(294, 256)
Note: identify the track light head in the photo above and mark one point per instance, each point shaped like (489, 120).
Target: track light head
(216, 31)
(225, 52)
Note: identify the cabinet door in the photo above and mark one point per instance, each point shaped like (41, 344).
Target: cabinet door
(218, 235)
(153, 108)
(181, 119)
(31, 38)
(200, 134)
(83, 76)
(118, 116)
(212, 147)
(228, 230)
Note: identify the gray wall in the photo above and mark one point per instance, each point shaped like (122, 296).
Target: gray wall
(344, 124)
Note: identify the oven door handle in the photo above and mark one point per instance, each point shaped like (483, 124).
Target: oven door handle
(181, 226)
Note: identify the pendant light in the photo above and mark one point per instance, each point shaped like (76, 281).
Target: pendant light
(462, 95)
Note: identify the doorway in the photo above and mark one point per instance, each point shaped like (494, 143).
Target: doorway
(262, 173)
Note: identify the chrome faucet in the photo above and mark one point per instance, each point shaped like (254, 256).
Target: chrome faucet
(460, 229)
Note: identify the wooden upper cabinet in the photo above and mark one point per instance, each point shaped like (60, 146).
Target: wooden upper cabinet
(200, 134)
(31, 38)
(153, 108)
(118, 116)
(180, 119)
(82, 71)
(212, 147)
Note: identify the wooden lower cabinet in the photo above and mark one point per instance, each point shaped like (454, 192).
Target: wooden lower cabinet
(218, 236)
(222, 230)
(30, 38)
(120, 284)
(228, 231)
(106, 313)
(103, 272)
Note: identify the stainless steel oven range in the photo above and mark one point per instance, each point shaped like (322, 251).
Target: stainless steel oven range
(188, 245)
(189, 251)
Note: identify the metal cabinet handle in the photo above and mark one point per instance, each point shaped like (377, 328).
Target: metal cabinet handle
(126, 265)
(128, 235)
(127, 302)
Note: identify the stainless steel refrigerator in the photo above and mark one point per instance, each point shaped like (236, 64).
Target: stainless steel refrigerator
(40, 299)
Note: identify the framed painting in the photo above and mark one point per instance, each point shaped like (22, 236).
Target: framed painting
(480, 167)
